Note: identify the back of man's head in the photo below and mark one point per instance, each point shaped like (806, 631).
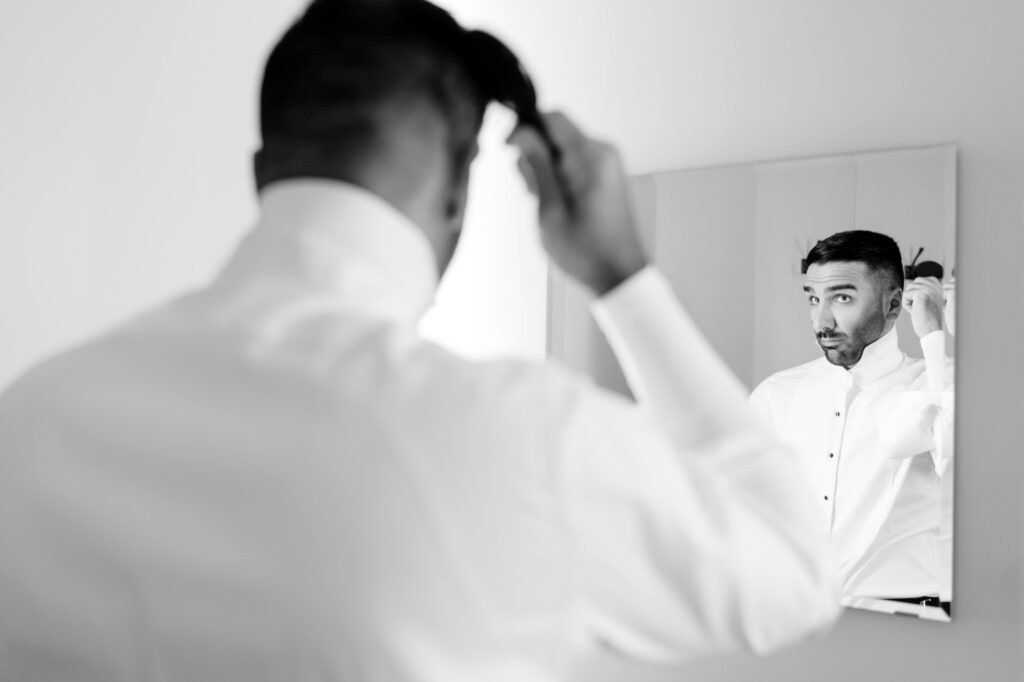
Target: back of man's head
(348, 71)
(878, 251)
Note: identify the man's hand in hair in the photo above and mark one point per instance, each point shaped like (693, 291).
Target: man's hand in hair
(587, 223)
(923, 298)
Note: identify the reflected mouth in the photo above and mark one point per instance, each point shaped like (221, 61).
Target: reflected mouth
(828, 342)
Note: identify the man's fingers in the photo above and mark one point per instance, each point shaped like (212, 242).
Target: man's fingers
(912, 291)
(925, 284)
(542, 173)
(576, 166)
(526, 170)
(564, 132)
(948, 290)
(578, 154)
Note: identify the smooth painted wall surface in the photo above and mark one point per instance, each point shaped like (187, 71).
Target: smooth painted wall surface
(126, 135)
(704, 243)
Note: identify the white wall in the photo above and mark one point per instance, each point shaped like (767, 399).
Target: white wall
(126, 129)
(126, 133)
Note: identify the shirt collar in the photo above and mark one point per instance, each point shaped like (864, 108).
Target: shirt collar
(337, 236)
(879, 358)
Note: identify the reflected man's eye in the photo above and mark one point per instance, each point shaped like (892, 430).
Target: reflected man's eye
(843, 298)
(812, 300)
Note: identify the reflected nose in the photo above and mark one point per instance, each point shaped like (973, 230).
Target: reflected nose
(822, 319)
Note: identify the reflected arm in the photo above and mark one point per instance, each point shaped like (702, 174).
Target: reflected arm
(921, 418)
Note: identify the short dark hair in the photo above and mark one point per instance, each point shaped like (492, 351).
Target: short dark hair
(878, 251)
(345, 66)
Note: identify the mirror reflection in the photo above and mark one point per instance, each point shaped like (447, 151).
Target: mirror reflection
(828, 285)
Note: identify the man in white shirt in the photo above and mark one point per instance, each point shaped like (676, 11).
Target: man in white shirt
(274, 478)
(873, 426)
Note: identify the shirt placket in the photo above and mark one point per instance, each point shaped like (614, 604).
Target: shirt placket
(838, 408)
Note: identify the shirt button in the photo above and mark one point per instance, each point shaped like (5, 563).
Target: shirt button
(831, 455)
(837, 414)
(826, 497)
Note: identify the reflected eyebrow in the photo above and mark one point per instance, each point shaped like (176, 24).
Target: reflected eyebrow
(833, 288)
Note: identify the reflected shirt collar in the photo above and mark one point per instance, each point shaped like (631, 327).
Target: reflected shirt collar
(879, 358)
(338, 236)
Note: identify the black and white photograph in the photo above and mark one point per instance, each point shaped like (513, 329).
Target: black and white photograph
(483, 341)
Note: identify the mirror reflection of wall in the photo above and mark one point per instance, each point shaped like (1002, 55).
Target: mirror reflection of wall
(731, 241)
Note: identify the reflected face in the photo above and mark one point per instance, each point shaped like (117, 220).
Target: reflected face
(850, 309)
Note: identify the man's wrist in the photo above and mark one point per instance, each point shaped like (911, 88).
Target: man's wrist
(611, 281)
(613, 274)
(933, 347)
(633, 292)
(932, 342)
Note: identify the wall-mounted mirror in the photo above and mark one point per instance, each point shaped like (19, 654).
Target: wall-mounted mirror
(847, 353)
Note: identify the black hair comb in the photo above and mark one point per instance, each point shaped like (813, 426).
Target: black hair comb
(926, 268)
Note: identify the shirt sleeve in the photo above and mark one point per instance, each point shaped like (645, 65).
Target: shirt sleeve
(920, 419)
(939, 370)
(693, 532)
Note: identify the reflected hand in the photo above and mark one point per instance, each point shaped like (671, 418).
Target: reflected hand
(923, 298)
(949, 295)
(587, 223)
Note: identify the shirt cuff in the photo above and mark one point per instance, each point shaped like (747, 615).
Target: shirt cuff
(668, 362)
(933, 346)
(643, 291)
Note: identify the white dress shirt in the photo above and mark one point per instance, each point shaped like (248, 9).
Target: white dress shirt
(274, 478)
(877, 441)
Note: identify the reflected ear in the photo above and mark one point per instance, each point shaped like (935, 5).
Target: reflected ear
(895, 304)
